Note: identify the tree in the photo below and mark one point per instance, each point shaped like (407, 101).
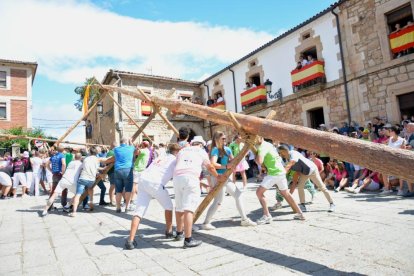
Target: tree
(93, 93)
(36, 133)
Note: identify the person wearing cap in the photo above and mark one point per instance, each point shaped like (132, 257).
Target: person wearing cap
(28, 171)
(152, 183)
(308, 170)
(220, 157)
(276, 175)
(322, 127)
(187, 189)
(365, 135)
(19, 176)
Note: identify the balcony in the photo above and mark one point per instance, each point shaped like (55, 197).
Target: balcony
(308, 75)
(253, 96)
(402, 40)
(220, 105)
(146, 108)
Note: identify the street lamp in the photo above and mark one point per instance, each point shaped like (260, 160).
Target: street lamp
(268, 85)
(100, 108)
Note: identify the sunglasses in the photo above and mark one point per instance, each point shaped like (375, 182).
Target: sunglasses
(223, 138)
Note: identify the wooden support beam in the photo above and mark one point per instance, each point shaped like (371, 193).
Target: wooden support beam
(80, 120)
(129, 116)
(10, 137)
(376, 157)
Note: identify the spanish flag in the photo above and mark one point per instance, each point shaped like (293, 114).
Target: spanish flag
(402, 40)
(308, 72)
(253, 94)
(85, 106)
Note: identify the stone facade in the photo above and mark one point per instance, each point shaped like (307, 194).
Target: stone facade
(105, 125)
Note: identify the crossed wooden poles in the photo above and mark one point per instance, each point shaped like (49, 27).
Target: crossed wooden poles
(370, 155)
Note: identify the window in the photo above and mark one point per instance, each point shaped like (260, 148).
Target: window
(3, 111)
(255, 79)
(305, 36)
(310, 52)
(3, 79)
(400, 24)
(252, 63)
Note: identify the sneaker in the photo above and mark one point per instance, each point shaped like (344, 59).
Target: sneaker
(169, 235)
(208, 226)
(400, 193)
(299, 217)
(336, 190)
(130, 244)
(357, 191)
(276, 206)
(385, 192)
(179, 236)
(248, 222)
(131, 207)
(331, 208)
(86, 207)
(44, 213)
(67, 209)
(349, 189)
(118, 210)
(303, 207)
(264, 220)
(192, 243)
(103, 203)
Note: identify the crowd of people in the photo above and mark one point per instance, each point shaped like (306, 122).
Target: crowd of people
(140, 172)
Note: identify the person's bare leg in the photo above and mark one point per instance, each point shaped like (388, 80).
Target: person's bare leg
(127, 199)
(168, 221)
(188, 223)
(386, 182)
(118, 197)
(50, 201)
(234, 177)
(342, 183)
(90, 193)
(112, 194)
(291, 201)
(6, 190)
(262, 199)
(134, 227)
(75, 204)
(401, 188)
(244, 178)
(179, 217)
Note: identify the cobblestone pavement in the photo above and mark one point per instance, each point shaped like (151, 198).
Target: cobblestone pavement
(366, 235)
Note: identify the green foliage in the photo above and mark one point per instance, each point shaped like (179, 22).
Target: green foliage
(93, 93)
(37, 132)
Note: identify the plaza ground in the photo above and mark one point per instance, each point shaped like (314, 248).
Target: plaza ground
(367, 234)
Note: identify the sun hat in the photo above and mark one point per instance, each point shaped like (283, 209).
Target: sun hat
(198, 139)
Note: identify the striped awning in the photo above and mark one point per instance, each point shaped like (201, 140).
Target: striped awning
(402, 40)
(146, 108)
(220, 105)
(308, 72)
(254, 94)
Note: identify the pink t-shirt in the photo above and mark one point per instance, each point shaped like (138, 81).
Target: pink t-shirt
(190, 161)
(318, 162)
(339, 175)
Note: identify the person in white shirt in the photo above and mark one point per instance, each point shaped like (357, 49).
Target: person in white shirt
(152, 183)
(68, 181)
(219, 98)
(187, 187)
(36, 166)
(395, 142)
(303, 61)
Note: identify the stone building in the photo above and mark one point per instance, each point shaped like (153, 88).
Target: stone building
(16, 80)
(112, 123)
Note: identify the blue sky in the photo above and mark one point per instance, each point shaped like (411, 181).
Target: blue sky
(75, 39)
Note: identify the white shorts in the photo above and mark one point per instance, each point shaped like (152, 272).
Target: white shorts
(65, 184)
(136, 176)
(5, 179)
(187, 193)
(358, 167)
(270, 180)
(147, 191)
(373, 186)
(19, 178)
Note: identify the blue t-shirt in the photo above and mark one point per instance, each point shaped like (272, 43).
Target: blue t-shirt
(124, 155)
(223, 160)
(56, 161)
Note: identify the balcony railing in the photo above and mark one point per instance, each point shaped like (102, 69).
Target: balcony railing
(146, 108)
(308, 75)
(402, 40)
(220, 105)
(253, 96)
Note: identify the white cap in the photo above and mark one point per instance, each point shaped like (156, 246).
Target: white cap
(198, 139)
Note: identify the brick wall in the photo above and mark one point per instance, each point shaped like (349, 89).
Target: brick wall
(18, 115)
(18, 82)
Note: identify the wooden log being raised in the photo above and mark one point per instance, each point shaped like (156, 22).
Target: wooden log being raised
(374, 156)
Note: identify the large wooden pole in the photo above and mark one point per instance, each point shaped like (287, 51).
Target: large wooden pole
(78, 122)
(374, 156)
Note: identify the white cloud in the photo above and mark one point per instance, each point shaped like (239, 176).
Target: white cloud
(72, 40)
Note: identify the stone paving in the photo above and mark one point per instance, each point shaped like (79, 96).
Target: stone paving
(367, 235)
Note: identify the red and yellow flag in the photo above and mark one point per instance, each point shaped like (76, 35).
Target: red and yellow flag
(146, 108)
(85, 104)
(402, 40)
(253, 94)
(220, 105)
(307, 73)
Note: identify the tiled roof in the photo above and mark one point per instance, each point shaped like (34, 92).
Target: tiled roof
(147, 76)
(22, 63)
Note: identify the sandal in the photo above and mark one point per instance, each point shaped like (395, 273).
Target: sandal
(72, 215)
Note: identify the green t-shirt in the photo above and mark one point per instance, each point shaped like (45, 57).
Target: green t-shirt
(68, 158)
(110, 154)
(142, 160)
(235, 148)
(271, 159)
